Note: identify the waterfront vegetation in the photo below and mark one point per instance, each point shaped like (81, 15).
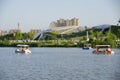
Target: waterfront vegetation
(76, 39)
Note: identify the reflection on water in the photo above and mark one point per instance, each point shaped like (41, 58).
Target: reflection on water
(58, 64)
(23, 53)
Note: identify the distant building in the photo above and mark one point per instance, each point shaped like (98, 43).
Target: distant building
(2, 32)
(63, 23)
(35, 31)
(67, 22)
(13, 31)
(66, 26)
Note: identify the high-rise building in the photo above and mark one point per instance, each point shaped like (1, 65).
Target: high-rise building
(75, 22)
(67, 23)
(62, 22)
(53, 24)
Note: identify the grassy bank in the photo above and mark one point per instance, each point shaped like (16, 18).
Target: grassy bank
(39, 44)
(54, 44)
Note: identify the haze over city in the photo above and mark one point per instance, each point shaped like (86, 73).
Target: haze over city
(38, 14)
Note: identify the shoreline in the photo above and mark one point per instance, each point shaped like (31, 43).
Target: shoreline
(49, 44)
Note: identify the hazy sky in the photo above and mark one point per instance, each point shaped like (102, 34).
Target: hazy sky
(38, 14)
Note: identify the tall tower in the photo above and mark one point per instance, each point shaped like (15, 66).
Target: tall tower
(19, 27)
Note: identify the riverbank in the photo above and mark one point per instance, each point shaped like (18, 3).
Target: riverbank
(40, 44)
(54, 43)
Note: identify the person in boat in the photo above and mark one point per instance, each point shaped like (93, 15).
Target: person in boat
(109, 50)
(98, 50)
(105, 50)
(89, 46)
(23, 49)
(27, 48)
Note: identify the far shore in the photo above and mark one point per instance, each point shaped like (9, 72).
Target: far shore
(45, 44)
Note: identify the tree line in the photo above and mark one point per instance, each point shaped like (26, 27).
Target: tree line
(110, 36)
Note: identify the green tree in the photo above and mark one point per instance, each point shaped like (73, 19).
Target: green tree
(118, 33)
(18, 36)
(30, 35)
(111, 39)
(98, 34)
(111, 36)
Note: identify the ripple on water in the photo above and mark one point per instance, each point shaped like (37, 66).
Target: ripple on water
(58, 64)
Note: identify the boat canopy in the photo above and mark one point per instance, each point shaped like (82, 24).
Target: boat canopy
(19, 45)
(102, 46)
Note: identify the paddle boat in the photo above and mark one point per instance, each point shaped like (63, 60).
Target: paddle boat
(22, 49)
(103, 49)
(86, 46)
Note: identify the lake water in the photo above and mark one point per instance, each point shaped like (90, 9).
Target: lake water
(58, 64)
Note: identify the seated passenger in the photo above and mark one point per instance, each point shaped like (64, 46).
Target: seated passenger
(23, 49)
(89, 46)
(109, 50)
(105, 50)
(27, 48)
(98, 50)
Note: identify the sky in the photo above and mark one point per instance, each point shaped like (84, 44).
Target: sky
(38, 14)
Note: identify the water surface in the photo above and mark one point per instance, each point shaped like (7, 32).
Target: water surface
(58, 64)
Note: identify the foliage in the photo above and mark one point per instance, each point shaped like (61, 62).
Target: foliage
(115, 30)
(17, 36)
(96, 37)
